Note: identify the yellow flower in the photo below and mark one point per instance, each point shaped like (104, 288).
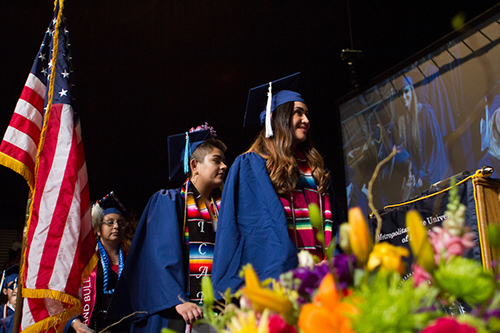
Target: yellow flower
(419, 242)
(359, 235)
(261, 298)
(246, 322)
(388, 257)
(251, 278)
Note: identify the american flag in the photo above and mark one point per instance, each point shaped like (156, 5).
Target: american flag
(43, 143)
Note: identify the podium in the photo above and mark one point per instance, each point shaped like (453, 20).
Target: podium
(487, 192)
(479, 194)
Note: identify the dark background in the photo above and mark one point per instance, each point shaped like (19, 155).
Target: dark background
(152, 68)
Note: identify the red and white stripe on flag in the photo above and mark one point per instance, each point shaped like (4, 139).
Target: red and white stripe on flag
(60, 240)
(44, 144)
(20, 143)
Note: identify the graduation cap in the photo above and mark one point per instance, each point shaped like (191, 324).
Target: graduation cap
(112, 205)
(264, 99)
(181, 147)
(10, 275)
(406, 81)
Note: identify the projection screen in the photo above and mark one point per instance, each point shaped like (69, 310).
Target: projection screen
(441, 112)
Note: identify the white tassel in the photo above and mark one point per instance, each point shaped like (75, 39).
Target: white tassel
(269, 130)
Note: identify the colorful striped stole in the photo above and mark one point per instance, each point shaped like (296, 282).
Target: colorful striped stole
(295, 204)
(199, 237)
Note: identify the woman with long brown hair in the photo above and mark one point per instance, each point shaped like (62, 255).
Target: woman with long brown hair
(415, 128)
(264, 211)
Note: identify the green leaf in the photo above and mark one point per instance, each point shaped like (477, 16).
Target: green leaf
(387, 304)
(331, 247)
(494, 324)
(315, 216)
(208, 291)
(465, 279)
(167, 330)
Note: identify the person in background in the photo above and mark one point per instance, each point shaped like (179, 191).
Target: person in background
(173, 245)
(9, 289)
(109, 219)
(492, 156)
(416, 129)
(8, 285)
(264, 213)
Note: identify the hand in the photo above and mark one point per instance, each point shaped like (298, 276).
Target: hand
(80, 327)
(189, 311)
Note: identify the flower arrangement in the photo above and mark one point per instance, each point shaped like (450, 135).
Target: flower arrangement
(204, 127)
(362, 290)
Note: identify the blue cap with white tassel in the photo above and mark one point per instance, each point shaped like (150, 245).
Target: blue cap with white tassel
(278, 92)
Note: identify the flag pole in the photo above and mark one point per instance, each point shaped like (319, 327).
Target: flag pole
(18, 314)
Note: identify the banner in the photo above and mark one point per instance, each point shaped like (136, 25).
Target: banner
(432, 207)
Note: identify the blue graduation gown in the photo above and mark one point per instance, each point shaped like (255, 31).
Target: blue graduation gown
(252, 227)
(429, 159)
(7, 324)
(432, 164)
(153, 278)
(9, 310)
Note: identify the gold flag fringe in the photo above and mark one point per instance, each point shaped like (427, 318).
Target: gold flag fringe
(18, 167)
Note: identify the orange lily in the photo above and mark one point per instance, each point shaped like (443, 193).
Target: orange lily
(359, 235)
(388, 257)
(419, 242)
(261, 298)
(326, 313)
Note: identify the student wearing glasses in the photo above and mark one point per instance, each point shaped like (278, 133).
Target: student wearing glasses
(109, 219)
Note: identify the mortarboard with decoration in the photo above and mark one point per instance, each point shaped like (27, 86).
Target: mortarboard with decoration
(264, 99)
(10, 275)
(181, 147)
(112, 205)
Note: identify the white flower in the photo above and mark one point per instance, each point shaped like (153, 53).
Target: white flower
(306, 259)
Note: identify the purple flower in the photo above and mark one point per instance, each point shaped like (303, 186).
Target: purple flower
(487, 314)
(344, 265)
(309, 280)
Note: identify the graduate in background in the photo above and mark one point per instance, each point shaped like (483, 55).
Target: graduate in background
(8, 285)
(173, 246)
(492, 156)
(264, 213)
(109, 219)
(416, 129)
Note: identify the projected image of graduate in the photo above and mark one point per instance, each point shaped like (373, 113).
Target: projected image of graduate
(491, 138)
(415, 128)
